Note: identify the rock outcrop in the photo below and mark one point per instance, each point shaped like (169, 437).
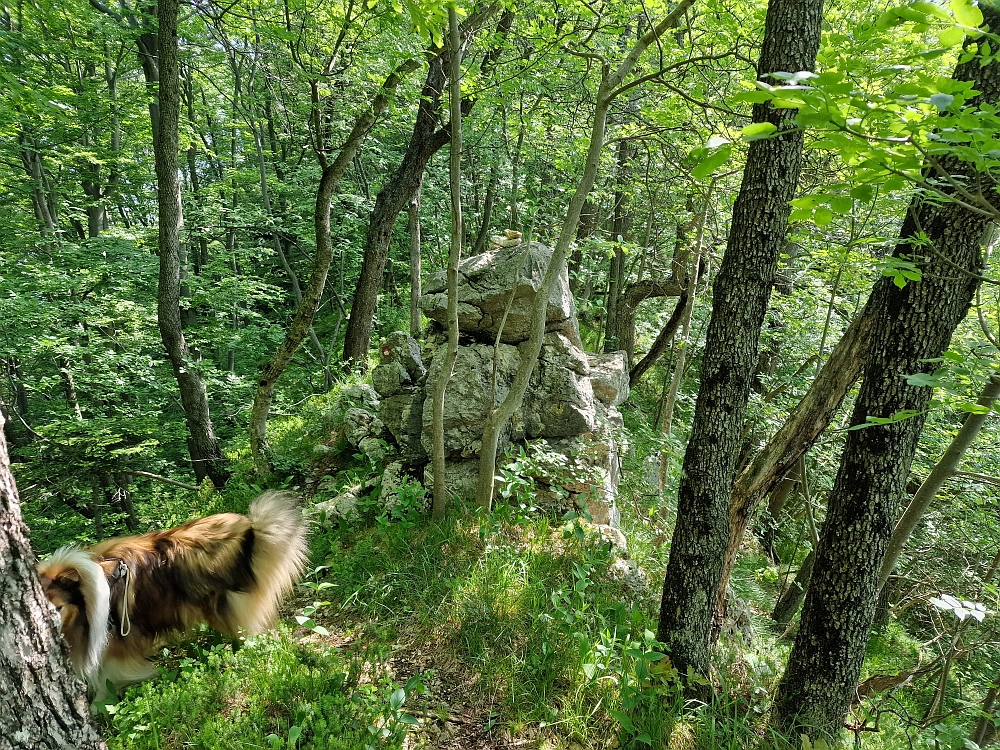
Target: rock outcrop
(571, 401)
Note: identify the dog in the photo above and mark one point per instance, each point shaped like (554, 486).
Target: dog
(122, 599)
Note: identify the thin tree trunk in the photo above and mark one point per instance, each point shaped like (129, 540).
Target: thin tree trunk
(497, 420)
(454, 258)
(301, 325)
(491, 196)
(413, 221)
(913, 326)
(206, 455)
(740, 297)
(790, 601)
(680, 366)
(662, 341)
(985, 732)
(44, 704)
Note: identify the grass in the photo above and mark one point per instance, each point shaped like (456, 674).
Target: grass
(270, 693)
(511, 626)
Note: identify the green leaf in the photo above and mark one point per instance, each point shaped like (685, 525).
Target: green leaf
(712, 162)
(397, 699)
(823, 216)
(758, 130)
(863, 193)
(951, 37)
(841, 204)
(624, 719)
(942, 101)
(966, 13)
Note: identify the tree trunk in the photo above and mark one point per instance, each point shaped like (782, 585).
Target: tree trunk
(206, 456)
(807, 421)
(497, 419)
(943, 470)
(301, 325)
(741, 292)
(662, 341)
(44, 705)
(789, 602)
(413, 223)
(616, 269)
(427, 139)
(491, 198)
(454, 258)
(913, 325)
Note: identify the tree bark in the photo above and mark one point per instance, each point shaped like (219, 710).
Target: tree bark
(301, 325)
(741, 292)
(454, 258)
(912, 326)
(44, 704)
(206, 455)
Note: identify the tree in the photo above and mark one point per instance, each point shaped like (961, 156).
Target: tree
(454, 258)
(740, 296)
(44, 705)
(206, 454)
(613, 84)
(913, 324)
(428, 137)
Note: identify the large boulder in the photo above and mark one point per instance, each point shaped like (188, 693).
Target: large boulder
(467, 401)
(485, 283)
(560, 399)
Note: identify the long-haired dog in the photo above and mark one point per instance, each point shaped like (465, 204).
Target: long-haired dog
(120, 600)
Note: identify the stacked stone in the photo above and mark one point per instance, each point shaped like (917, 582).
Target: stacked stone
(571, 401)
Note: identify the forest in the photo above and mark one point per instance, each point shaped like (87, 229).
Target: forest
(633, 363)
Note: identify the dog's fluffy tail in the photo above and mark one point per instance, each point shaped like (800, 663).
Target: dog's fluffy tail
(279, 554)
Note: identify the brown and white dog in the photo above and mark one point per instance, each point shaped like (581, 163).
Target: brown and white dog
(120, 600)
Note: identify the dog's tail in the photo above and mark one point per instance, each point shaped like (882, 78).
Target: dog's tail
(279, 553)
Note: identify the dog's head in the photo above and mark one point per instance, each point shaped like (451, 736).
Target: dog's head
(78, 588)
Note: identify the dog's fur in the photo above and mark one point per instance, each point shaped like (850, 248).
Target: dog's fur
(227, 570)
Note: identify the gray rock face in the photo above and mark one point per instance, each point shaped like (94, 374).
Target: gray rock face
(461, 477)
(360, 425)
(609, 377)
(467, 400)
(403, 417)
(485, 284)
(402, 348)
(560, 398)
